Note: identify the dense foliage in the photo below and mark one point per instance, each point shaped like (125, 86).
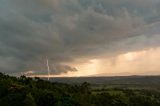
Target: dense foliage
(36, 92)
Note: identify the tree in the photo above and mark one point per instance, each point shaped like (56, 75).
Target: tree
(29, 100)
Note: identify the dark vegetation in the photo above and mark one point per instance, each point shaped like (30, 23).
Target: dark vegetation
(25, 91)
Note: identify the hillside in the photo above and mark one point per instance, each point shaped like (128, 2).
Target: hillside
(37, 92)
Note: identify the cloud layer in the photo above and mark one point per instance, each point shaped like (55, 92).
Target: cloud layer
(67, 30)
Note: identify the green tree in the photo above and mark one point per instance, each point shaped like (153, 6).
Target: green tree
(29, 100)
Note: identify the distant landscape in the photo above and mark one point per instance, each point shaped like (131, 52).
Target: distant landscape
(137, 82)
(141, 80)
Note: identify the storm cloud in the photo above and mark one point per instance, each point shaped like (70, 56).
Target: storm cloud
(66, 30)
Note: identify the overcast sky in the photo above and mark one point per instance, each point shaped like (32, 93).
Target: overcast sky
(80, 37)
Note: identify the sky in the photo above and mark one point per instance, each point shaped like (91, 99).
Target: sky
(80, 37)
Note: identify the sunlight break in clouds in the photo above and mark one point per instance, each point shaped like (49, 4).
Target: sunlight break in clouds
(145, 61)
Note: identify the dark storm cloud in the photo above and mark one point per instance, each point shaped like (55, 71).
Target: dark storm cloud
(64, 30)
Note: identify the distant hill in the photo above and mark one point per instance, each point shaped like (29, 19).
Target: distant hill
(139, 73)
(117, 80)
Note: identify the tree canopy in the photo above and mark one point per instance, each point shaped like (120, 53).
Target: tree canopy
(37, 92)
